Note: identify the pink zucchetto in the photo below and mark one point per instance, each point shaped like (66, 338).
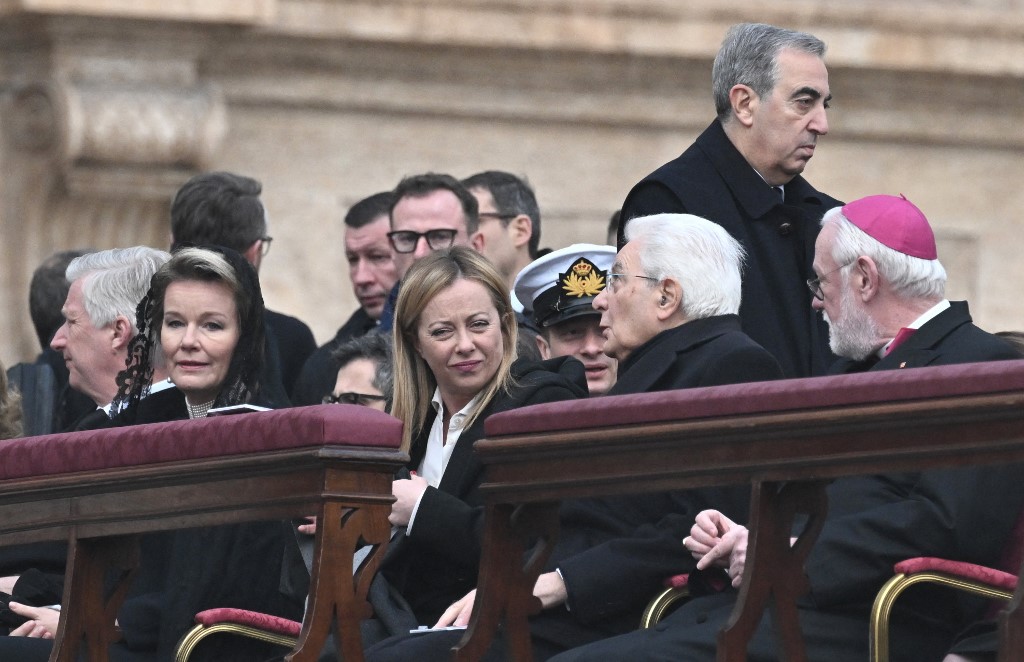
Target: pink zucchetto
(895, 222)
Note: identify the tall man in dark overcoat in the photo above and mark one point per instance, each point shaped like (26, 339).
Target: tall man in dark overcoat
(743, 172)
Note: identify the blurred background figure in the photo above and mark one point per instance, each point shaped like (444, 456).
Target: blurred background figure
(371, 268)
(10, 409)
(224, 209)
(48, 403)
(365, 372)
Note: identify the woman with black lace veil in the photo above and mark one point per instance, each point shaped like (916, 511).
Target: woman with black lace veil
(203, 319)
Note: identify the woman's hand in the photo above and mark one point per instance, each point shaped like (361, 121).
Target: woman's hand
(309, 528)
(407, 493)
(42, 623)
(459, 612)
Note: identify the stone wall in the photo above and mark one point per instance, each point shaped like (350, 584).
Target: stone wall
(106, 106)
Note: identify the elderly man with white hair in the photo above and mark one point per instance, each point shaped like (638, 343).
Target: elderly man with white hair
(670, 311)
(881, 288)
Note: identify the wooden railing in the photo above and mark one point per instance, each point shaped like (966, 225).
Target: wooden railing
(786, 439)
(99, 490)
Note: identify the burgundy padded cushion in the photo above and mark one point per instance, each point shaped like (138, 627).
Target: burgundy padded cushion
(990, 576)
(761, 397)
(320, 425)
(255, 619)
(677, 581)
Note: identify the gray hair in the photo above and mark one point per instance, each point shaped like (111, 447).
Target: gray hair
(910, 277)
(749, 56)
(705, 259)
(115, 281)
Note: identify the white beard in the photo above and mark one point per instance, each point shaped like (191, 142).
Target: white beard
(855, 335)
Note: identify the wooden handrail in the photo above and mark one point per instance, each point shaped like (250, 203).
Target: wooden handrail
(101, 511)
(787, 456)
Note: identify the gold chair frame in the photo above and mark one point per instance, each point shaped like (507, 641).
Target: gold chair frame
(659, 606)
(197, 634)
(892, 589)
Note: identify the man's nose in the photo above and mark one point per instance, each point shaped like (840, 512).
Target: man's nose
(60, 339)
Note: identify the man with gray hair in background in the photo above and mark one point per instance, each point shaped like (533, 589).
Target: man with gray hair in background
(99, 322)
(771, 93)
(99, 319)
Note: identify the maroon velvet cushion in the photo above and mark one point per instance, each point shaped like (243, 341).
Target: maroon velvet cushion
(760, 397)
(990, 576)
(320, 425)
(255, 619)
(677, 581)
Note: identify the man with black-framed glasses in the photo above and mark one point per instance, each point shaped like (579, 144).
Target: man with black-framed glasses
(509, 221)
(429, 212)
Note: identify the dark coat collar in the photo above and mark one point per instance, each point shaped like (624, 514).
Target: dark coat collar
(751, 192)
(647, 363)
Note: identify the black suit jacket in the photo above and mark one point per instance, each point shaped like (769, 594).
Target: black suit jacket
(711, 179)
(291, 343)
(185, 571)
(437, 562)
(320, 371)
(614, 553)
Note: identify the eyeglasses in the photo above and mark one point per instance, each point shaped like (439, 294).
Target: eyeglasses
(265, 247)
(614, 279)
(362, 399)
(404, 241)
(497, 215)
(814, 284)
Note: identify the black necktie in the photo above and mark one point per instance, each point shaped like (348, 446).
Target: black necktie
(782, 194)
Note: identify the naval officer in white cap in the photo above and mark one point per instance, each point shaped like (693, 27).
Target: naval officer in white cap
(557, 291)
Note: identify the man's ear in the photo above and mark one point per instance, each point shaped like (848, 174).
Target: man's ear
(744, 102)
(123, 333)
(864, 278)
(521, 230)
(543, 347)
(477, 241)
(254, 254)
(669, 298)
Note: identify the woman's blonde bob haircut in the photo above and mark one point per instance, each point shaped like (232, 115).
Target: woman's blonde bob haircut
(414, 382)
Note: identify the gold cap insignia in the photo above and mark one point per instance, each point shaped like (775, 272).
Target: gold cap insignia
(583, 279)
